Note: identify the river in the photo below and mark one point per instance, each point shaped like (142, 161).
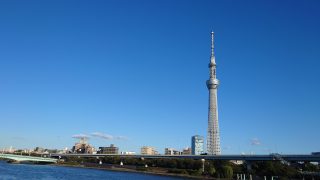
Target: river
(46, 172)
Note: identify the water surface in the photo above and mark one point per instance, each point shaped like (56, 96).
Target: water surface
(47, 172)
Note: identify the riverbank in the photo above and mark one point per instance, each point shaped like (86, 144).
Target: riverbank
(143, 170)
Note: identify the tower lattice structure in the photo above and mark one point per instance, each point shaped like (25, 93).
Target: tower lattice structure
(213, 135)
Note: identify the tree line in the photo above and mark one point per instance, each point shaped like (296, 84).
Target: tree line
(211, 168)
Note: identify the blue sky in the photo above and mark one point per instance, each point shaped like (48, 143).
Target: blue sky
(136, 71)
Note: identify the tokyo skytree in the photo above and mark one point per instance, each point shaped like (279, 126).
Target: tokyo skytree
(213, 136)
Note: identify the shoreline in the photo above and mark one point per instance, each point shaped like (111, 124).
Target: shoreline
(122, 169)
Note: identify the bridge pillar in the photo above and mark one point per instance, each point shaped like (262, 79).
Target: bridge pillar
(249, 165)
(242, 176)
(203, 160)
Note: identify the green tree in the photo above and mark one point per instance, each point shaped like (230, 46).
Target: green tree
(310, 167)
(227, 172)
(212, 171)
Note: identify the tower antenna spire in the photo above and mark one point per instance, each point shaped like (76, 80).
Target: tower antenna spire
(212, 43)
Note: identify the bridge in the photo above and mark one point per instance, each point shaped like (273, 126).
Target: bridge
(269, 157)
(21, 158)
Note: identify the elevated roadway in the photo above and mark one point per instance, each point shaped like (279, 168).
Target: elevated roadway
(269, 157)
(21, 158)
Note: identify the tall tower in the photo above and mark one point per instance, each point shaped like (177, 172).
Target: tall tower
(213, 136)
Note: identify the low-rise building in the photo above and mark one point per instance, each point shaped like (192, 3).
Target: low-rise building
(39, 150)
(108, 150)
(128, 153)
(187, 151)
(171, 151)
(83, 147)
(50, 151)
(148, 150)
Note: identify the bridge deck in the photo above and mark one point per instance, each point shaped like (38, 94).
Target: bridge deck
(21, 158)
(270, 157)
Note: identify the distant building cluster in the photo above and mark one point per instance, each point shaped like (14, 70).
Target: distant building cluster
(197, 148)
(37, 150)
(83, 147)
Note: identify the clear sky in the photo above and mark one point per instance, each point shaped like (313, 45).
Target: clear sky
(133, 73)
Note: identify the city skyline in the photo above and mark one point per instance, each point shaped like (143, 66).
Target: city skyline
(133, 74)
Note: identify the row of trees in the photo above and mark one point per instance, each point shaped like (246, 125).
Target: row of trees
(217, 168)
(221, 169)
(276, 168)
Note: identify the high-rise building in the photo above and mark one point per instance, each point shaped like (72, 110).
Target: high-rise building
(213, 136)
(197, 145)
(147, 150)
